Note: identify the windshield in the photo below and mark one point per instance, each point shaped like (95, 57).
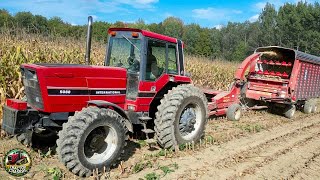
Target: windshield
(125, 52)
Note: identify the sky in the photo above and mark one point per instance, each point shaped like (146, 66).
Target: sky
(207, 13)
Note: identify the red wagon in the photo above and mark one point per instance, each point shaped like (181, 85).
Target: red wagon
(274, 77)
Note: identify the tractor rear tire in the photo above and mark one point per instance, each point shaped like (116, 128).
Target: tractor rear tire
(234, 112)
(93, 138)
(289, 111)
(308, 106)
(181, 117)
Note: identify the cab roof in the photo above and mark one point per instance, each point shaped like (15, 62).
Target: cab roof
(147, 34)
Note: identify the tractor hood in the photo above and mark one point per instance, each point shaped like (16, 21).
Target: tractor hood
(68, 87)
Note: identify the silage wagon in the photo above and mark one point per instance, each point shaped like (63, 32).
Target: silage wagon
(275, 77)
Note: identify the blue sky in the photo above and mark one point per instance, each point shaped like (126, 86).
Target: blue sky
(207, 13)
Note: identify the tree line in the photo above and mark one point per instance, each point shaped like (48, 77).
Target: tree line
(294, 26)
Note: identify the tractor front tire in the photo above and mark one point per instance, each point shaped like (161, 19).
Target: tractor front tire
(25, 139)
(289, 111)
(181, 117)
(234, 112)
(30, 138)
(93, 138)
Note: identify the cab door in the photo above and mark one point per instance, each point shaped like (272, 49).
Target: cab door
(161, 63)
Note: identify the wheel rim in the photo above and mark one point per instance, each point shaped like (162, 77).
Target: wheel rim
(100, 144)
(190, 121)
(237, 114)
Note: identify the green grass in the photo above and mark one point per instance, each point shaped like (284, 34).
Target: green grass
(152, 176)
(250, 127)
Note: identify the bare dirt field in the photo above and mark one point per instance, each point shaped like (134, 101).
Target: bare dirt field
(260, 146)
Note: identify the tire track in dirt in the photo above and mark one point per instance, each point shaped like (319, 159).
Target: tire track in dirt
(246, 162)
(310, 170)
(288, 164)
(212, 159)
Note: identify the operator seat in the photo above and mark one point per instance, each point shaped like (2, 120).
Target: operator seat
(152, 67)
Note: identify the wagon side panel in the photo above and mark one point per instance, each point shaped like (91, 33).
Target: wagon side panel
(308, 81)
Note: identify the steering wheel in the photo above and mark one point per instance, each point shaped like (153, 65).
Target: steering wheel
(130, 60)
(134, 65)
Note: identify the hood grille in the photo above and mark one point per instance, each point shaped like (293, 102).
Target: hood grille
(32, 88)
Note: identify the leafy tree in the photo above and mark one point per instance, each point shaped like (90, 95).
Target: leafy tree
(240, 52)
(6, 20)
(99, 31)
(25, 20)
(58, 27)
(268, 25)
(173, 26)
(119, 24)
(40, 24)
(191, 37)
(154, 27)
(140, 24)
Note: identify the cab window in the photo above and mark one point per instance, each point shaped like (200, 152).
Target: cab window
(156, 59)
(172, 59)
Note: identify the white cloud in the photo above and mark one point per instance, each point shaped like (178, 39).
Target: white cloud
(260, 5)
(167, 14)
(237, 12)
(94, 17)
(219, 26)
(213, 13)
(254, 18)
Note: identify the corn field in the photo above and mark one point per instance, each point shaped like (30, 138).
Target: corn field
(25, 48)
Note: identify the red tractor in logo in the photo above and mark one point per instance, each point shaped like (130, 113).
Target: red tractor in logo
(16, 159)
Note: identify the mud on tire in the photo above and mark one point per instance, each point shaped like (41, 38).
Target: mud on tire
(182, 105)
(92, 138)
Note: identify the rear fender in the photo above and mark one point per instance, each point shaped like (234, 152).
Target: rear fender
(106, 104)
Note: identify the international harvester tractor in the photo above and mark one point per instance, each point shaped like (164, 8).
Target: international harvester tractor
(93, 108)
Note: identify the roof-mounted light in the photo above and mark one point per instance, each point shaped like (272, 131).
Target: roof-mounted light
(113, 33)
(135, 34)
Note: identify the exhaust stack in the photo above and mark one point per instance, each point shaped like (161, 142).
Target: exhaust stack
(88, 45)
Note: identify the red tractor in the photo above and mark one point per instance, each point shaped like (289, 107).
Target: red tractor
(94, 107)
(17, 159)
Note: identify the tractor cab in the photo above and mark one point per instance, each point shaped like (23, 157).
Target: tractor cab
(147, 54)
(151, 61)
